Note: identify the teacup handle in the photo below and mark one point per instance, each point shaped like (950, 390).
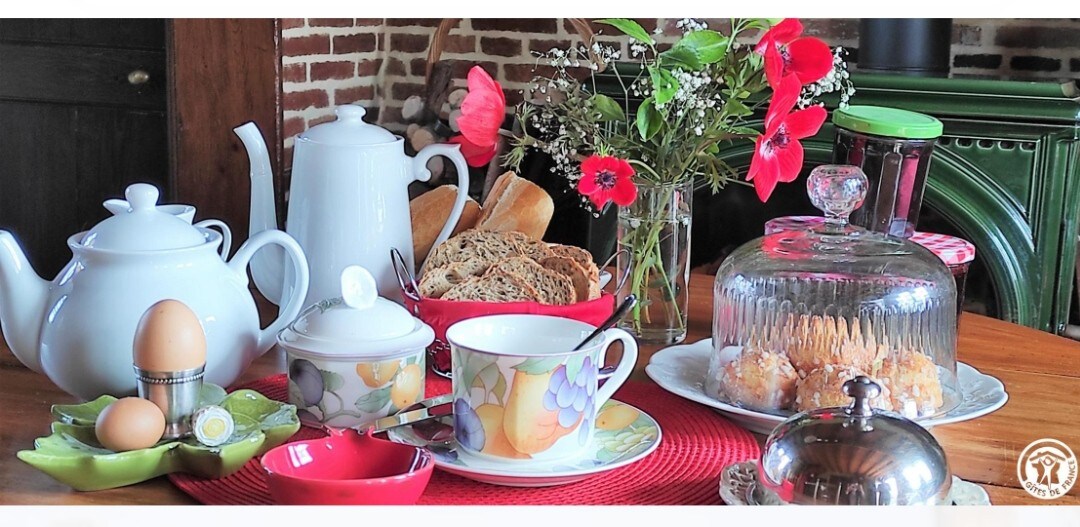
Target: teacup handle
(615, 378)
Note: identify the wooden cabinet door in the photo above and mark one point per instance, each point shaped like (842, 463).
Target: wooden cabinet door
(82, 115)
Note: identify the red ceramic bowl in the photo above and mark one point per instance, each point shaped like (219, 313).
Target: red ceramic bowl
(347, 468)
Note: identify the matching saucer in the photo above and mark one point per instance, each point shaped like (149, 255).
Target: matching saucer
(611, 448)
(681, 370)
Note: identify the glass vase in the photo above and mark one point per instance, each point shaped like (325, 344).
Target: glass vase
(654, 245)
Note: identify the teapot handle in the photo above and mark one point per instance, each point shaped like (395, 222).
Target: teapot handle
(300, 280)
(226, 235)
(421, 173)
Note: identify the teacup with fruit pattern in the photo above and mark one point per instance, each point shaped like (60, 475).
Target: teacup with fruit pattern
(522, 394)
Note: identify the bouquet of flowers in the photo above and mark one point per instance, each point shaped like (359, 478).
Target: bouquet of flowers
(695, 97)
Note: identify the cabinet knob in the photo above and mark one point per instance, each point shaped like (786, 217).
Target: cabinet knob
(137, 77)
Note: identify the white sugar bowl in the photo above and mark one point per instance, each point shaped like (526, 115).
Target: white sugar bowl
(355, 358)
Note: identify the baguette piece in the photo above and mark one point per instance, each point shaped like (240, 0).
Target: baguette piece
(429, 212)
(494, 286)
(554, 288)
(436, 282)
(473, 243)
(516, 204)
(585, 288)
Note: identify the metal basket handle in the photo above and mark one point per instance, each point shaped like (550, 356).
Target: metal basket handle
(405, 277)
(626, 272)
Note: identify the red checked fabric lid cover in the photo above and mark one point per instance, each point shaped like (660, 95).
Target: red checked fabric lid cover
(950, 249)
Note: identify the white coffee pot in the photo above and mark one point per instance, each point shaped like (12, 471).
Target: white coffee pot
(78, 329)
(348, 202)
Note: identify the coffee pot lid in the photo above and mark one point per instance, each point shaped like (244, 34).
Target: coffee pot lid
(359, 322)
(142, 225)
(349, 129)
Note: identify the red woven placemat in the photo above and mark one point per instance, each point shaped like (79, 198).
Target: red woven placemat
(685, 469)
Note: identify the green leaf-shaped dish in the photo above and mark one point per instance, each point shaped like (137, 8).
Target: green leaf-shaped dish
(73, 456)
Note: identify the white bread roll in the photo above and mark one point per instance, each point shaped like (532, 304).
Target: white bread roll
(429, 212)
(516, 204)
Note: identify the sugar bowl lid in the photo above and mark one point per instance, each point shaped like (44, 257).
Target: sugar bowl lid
(358, 323)
(856, 455)
(142, 225)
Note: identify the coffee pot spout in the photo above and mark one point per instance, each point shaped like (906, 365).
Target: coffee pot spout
(23, 295)
(267, 267)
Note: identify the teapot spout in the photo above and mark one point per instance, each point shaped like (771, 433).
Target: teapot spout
(23, 295)
(267, 267)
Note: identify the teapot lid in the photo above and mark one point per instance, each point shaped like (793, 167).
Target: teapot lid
(349, 129)
(142, 225)
(359, 322)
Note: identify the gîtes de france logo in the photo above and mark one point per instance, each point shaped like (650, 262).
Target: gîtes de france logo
(1047, 469)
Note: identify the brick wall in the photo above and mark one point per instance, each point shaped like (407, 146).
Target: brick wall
(380, 62)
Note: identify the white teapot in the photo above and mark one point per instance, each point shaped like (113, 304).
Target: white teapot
(79, 328)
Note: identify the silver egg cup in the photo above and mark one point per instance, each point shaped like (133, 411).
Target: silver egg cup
(176, 393)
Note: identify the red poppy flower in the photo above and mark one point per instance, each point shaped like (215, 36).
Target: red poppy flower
(786, 52)
(475, 156)
(778, 155)
(607, 178)
(483, 110)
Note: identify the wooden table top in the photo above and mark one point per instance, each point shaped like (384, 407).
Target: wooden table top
(1041, 372)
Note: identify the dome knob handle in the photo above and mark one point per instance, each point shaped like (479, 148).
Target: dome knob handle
(862, 389)
(837, 190)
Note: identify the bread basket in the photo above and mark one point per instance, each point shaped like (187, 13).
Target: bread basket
(441, 314)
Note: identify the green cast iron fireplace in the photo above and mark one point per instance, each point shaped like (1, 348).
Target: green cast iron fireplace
(1004, 175)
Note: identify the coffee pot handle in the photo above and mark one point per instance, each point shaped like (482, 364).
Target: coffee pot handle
(421, 173)
(299, 285)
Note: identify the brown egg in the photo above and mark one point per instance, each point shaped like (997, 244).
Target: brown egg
(130, 423)
(169, 338)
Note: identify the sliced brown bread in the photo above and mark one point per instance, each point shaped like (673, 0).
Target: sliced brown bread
(584, 288)
(494, 286)
(473, 243)
(554, 288)
(436, 282)
(581, 256)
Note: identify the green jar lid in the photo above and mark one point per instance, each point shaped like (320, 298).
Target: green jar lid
(888, 122)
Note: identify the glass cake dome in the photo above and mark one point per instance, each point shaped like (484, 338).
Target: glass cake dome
(798, 313)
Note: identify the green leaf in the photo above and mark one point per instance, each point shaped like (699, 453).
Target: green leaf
(608, 109)
(538, 366)
(573, 366)
(708, 46)
(499, 391)
(332, 382)
(489, 376)
(629, 28)
(649, 120)
(665, 84)
(736, 108)
(295, 394)
(744, 130)
(374, 401)
(681, 57)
